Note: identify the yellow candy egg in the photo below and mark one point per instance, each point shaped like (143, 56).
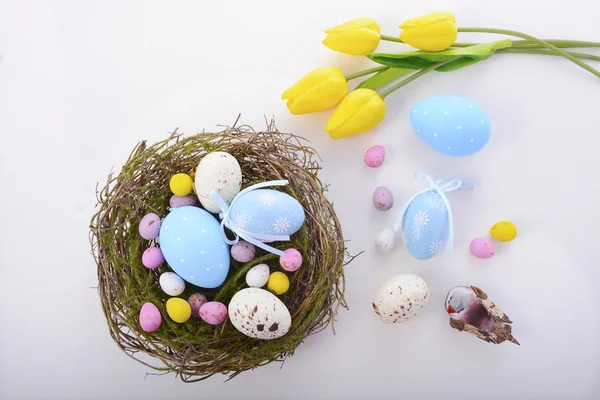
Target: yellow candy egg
(278, 282)
(179, 310)
(504, 231)
(181, 184)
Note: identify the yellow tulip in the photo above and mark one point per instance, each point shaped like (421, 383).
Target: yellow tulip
(358, 37)
(360, 111)
(318, 90)
(432, 32)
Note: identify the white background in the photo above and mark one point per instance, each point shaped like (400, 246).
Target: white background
(82, 82)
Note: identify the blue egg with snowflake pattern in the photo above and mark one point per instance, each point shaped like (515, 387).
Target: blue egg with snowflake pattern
(191, 242)
(265, 212)
(425, 226)
(450, 124)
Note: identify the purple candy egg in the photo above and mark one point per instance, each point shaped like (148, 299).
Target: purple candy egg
(153, 257)
(150, 318)
(181, 201)
(383, 198)
(482, 248)
(374, 156)
(213, 312)
(243, 251)
(291, 260)
(196, 301)
(150, 226)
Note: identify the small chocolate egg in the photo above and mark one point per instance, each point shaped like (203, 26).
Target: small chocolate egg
(258, 275)
(149, 226)
(291, 260)
(374, 156)
(278, 282)
(196, 301)
(386, 240)
(181, 184)
(243, 251)
(152, 257)
(179, 310)
(504, 231)
(150, 318)
(181, 201)
(171, 283)
(482, 248)
(383, 198)
(213, 312)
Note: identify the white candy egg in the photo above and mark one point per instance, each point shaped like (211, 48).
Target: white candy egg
(171, 283)
(258, 275)
(401, 298)
(386, 241)
(219, 171)
(259, 314)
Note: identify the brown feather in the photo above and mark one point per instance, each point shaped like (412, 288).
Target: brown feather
(497, 314)
(500, 333)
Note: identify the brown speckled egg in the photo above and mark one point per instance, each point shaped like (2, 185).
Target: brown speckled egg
(400, 298)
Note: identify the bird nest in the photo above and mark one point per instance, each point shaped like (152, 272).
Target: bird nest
(196, 350)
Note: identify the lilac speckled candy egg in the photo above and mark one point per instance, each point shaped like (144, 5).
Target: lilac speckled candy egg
(153, 257)
(196, 301)
(213, 312)
(150, 226)
(150, 318)
(291, 260)
(374, 156)
(383, 199)
(181, 201)
(243, 251)
(482, 248)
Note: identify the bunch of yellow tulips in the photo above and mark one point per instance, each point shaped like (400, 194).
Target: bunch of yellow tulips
(434, 35)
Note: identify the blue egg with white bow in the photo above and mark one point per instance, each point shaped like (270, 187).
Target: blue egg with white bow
(450, 124)
(425, 226)
(191, 242)
(263, 213)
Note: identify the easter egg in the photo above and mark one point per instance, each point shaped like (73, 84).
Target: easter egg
(452, 125)
(243, 251)
(482, 248)
(425, 227)
(149, 226)
(213, 312)
(383, 199)
(386, 241)
(171, 283)
(278, 282)
(258, 275)
(291, 260)
(150, 318)
(181, 184)
(375, 156)
(259, 314)
(191, 241)
(180, 201)
(152, 257)
(400, 298)
(504, 231)
(219, 171)
(179, 310)
(196, 301)
(265, 212)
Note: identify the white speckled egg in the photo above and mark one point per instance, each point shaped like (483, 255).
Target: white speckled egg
(171, 283)
(400, 298)
(258, 275)
(386, 240)
(259, 314)
(219, 171)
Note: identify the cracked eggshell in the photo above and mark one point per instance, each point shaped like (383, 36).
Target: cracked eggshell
(219, 171)
(400, 298)
(259, 314)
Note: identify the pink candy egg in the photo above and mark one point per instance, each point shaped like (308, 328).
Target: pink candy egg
(197, 300)
(150, 318)
(383, 199)
(153, 257)
(149, 226)
(180, 201)
(482, 248)
(243, 251)
(213, 312)
(374, 156)
(291, 260)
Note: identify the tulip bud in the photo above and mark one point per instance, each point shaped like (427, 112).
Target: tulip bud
(360, 111)
(359, 37)
(432, 32)
(319, 90)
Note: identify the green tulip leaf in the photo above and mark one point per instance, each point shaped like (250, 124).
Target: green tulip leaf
(462, 56)
(384, 77)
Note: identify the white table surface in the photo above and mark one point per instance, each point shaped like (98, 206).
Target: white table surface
(82, 81)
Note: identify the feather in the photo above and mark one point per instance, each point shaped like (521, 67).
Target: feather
(497, 314)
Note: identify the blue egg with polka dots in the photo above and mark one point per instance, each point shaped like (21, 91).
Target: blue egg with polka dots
(190, 239)
(450, 124)
(425, 226)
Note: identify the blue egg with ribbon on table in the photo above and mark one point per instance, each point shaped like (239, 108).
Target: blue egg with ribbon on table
(450, 124)
(193, 246)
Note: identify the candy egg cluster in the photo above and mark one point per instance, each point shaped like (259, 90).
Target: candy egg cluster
(503, 231)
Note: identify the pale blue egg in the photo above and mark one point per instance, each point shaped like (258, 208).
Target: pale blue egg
(191, 241)
(452, 125)
(425, 226)
(267, 212)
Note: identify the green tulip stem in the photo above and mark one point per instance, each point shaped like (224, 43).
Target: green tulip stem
(391, 39)
(413, 77)
(535, 40)
(365, 72)
(521, 43)
(547, 53)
